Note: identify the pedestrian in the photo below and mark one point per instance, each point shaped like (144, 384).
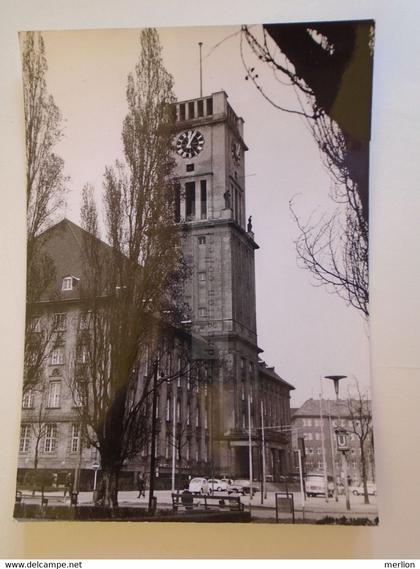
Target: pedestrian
(68, 484)
(140, 485)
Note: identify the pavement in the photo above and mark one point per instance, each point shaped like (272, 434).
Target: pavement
(312, 509)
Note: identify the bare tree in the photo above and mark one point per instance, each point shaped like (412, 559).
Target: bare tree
(45, 181)
(133, 285)
(325, 63)
(360, 413)
(45, 187)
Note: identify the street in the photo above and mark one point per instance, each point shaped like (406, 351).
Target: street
(314, 508)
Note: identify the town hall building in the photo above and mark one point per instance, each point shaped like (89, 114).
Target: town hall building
(240, 394)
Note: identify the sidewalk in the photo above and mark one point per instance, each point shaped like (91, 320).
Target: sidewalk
(315, 508)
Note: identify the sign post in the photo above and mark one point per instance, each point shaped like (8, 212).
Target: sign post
(343, 447)
(95, 467)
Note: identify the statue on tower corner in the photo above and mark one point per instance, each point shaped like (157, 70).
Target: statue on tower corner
(226, 195)
(249, 226)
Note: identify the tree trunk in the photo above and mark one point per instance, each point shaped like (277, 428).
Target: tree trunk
(109, 489)
(364, 477)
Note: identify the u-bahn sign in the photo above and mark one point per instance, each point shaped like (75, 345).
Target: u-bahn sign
(342, 440)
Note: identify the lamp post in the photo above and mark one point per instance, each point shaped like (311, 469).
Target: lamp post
(336, 380)
(153, 441)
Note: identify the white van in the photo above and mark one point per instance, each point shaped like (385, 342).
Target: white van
(315, 485)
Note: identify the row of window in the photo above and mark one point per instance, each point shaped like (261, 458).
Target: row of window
(317, 436)
(48, 435)
(178, 414)
(60, 322)
(190, 201)
(316, 422)
(54, 396)
(194, 109)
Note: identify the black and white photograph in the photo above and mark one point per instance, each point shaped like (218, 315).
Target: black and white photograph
(197, 341)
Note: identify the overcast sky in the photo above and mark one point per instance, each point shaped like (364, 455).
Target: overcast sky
(305, 331)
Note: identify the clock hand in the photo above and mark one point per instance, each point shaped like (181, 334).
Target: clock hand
(190, 138)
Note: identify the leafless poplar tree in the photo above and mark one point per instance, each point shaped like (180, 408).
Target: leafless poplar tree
(45, 187)
(131, 288)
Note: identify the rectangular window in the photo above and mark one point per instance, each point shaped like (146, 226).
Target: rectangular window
(188, 450)
(28, 399)
(25, 438)
(177, 203)
(156, 446)
(35, 325)
(202, 240)
(57, 357)
(197, 416)
(191, 110)
(75, 438)
(80, 393)
(54, 394)
(206, 418)
(182, 112)
(202, 312)
(60, 322)
(82, 355)
(189, 377)
(190, 200)
(50, 440)
(179, 370)
(200, 108)
(67, 283)
(203, 198)
(168, 409)
(209, 102)
(178, 411)
(190, 168)
(157, 406)
(84, 321)
(188, 414)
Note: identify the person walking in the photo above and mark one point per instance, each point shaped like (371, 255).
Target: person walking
(140, 485)
(68, 484)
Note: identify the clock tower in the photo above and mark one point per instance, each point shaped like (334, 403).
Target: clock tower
(219, 248)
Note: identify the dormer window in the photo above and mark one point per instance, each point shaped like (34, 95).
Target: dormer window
(69, 283)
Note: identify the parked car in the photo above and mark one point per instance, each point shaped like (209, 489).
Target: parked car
(241, 487)
(198, 486)
(359, 490)
(315, 485)
(217, 485)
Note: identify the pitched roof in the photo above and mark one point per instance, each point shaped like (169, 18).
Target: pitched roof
(311, 408)
(271, 373)
(64, 244)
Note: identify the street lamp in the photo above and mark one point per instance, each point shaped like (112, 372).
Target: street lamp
(336, 379)
(341, 436)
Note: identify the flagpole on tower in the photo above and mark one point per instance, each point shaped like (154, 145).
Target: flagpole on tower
(200, 43)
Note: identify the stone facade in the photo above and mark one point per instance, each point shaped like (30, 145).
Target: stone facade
(211, 414)
(219, 247)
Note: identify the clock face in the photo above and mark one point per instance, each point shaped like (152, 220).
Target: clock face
(236, 152)
(190, 143)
